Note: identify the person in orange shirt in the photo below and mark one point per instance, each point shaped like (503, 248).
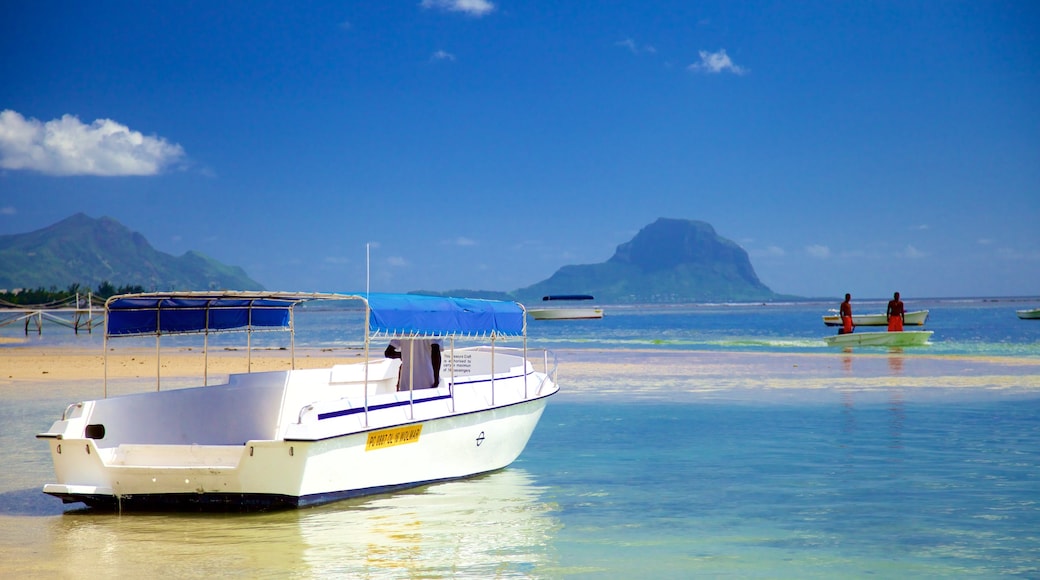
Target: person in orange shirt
(895, 314)
(845, 312)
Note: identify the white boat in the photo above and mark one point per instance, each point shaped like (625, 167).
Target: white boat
(294, 438)
(566, 312)
(1031, 314)
(915, 318)
(901, 338)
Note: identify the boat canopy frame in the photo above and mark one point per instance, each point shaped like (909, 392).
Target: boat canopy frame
(387, 316)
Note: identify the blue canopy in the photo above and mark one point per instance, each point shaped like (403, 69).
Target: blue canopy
(390, 314)
(413, 314)
(149, 314)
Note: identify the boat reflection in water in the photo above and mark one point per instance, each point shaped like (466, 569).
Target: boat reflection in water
(488, 526)
(494, 525)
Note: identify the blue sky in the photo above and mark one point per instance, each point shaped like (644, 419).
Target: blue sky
(860, 147)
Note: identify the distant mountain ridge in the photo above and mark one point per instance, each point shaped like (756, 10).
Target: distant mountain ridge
(668, 261)
(89, 251)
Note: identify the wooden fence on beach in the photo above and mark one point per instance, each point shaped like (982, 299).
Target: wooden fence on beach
(77, 313)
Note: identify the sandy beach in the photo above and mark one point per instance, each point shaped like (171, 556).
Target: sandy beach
(73, 363)
(582, 372)
(78, 373)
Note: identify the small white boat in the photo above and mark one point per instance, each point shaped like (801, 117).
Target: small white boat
(915, 318)
(901, 338)
(1031, 314)
(294, 438)
(566, 312)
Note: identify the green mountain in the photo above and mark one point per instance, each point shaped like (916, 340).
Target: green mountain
(89, 251)
(668, 261)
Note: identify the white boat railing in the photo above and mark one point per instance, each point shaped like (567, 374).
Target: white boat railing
(468, 368)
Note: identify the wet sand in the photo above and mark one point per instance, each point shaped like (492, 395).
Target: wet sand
(582, 372)
(81, 373)
(779, 377)
(74, 363)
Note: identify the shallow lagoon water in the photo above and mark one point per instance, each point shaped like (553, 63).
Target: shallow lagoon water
(891, 489)
(778, 462)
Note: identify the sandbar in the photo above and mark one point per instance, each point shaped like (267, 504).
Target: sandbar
(62, 363)
(581, 372)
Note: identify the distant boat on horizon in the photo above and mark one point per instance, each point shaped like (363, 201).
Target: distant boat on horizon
(566, 312)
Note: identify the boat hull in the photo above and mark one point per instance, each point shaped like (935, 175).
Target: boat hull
(565, 313)
(270, 475)
(915, 318)
(1032, 314)
(903, 338)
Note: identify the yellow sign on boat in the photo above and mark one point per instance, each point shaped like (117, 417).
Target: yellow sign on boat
(391, 437)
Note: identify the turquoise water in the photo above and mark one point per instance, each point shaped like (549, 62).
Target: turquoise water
(804, 462)
(976, 327)
(827, 489)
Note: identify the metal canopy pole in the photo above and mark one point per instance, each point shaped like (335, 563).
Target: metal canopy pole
(525, 367)
(249, 338)
(292, 337)
(411, 377)
(104, 345)
(158, 336)
(492, 368)
(368, 340)
(451, 385)
(205, 350)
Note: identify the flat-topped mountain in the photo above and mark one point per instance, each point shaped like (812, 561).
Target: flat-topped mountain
(89, 251)
(668, 261)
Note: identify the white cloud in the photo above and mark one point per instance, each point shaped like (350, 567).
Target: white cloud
(8, 210)
(913, 253)
(461, 241)
(716, 62)
(442, 55)
(984, 241)
(476, 8)
(397, 262)
(635, 48)
(66, 146)
(818, 251)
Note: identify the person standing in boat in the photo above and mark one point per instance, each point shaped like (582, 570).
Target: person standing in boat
(845, 313)
(420, 362)
(895, 314)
